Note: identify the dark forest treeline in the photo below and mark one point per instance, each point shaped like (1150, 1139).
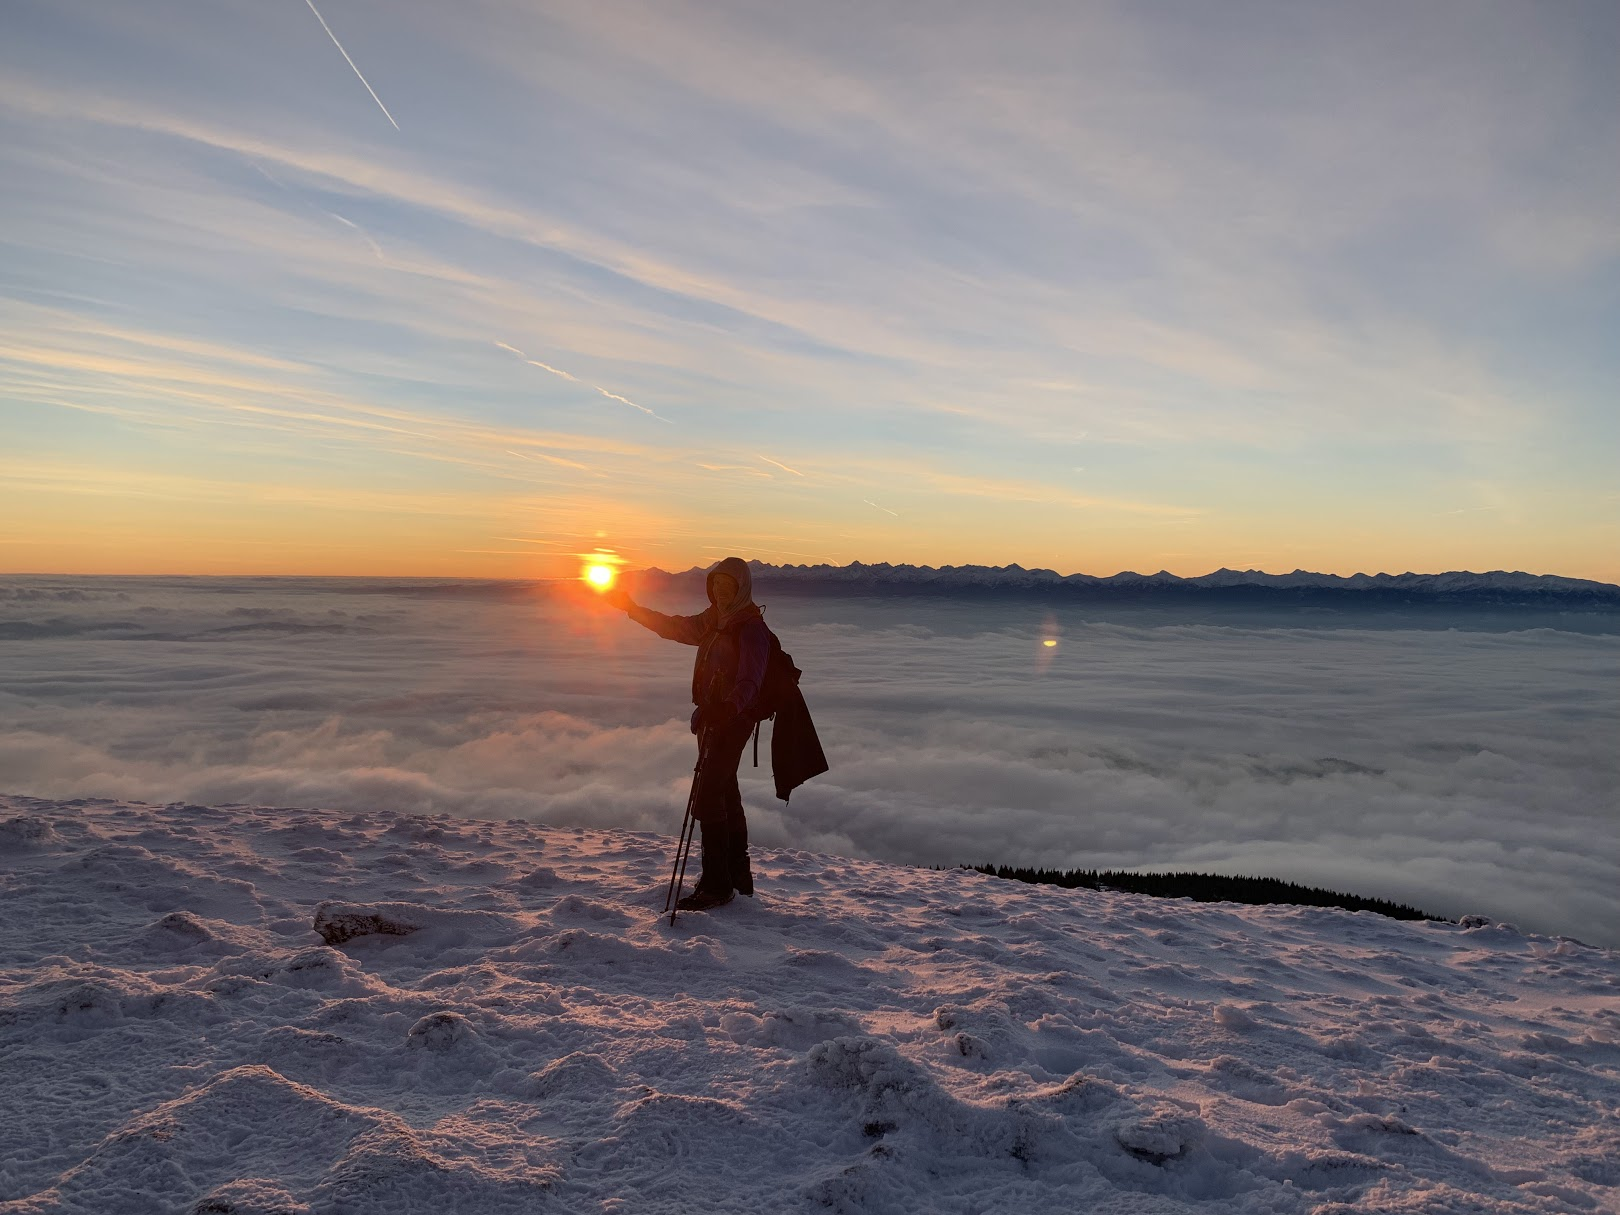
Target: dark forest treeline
(1206, 888)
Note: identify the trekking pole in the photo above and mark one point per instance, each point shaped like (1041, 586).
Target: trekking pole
(677, 872)
(677, 875)
(683, 852)
(669, 886)
(680, 880)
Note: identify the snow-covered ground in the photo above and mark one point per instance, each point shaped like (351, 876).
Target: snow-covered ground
(174, 1036)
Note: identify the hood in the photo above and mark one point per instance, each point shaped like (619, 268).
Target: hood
(738, 569)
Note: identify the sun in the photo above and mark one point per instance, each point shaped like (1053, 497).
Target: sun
(599, 576)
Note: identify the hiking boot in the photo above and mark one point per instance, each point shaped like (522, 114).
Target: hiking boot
(703, 900)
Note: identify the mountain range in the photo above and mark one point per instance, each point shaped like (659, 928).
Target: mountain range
(1495, 586)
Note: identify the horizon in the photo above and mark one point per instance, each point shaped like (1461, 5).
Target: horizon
(410, 292)
(574, 575)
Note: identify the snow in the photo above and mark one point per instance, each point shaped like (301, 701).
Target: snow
(504, 1023)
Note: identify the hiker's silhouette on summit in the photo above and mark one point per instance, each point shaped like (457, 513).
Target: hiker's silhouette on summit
(740, 678)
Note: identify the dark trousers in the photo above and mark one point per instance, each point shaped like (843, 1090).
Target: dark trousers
(717, 806)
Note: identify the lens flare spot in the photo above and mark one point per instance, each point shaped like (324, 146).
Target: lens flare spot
(1049, 643)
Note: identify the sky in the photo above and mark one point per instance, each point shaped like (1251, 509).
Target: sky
(1459, 770)
(466, 290)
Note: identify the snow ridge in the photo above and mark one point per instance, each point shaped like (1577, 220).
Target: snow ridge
(492, 1017)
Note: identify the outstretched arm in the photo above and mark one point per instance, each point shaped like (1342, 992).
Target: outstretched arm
(688, 630)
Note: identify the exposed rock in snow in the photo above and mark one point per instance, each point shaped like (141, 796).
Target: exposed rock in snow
(250, 1196)
(479, 1034)
(442, 1032)
(340, 922)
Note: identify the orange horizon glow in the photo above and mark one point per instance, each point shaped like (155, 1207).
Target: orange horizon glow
(158, 560)
(152, 536)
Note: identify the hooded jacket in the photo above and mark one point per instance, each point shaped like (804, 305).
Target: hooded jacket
(733, 645)
(733, 649)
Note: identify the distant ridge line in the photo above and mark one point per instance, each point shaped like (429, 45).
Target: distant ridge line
(1015, 577)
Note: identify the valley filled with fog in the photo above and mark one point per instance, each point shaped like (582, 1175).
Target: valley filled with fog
(1463, 769)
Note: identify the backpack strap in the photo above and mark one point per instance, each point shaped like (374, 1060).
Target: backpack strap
(756, 744)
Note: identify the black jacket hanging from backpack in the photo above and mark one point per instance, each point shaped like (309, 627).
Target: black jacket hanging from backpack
(796, 753)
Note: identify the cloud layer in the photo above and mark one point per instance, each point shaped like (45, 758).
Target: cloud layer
(1463, 771)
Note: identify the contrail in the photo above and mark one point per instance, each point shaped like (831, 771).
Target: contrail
(553, 370)
(613, 396)
(543, 366)
(350, 62)
(574, 379)
(549, 459)
(742, 468)
(778, 464)
(884, 509)
(364, 235)
(267, 174)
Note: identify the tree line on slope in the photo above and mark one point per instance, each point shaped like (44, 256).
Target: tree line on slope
(1205, 888)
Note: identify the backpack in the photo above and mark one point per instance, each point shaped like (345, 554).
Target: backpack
(796, 753)
(780, 681)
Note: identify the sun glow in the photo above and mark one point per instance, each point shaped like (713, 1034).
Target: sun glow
(599, 568)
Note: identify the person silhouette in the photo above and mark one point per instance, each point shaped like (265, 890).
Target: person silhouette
(733, 646)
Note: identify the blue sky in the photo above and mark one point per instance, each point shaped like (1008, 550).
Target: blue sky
(1085, 286)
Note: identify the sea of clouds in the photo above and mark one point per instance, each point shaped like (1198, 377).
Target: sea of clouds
(1463, 770)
